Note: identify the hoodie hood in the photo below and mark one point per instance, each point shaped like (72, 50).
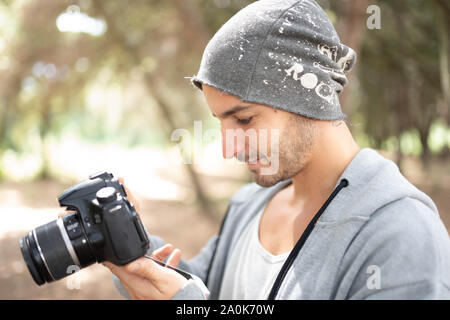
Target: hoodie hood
(374, 182)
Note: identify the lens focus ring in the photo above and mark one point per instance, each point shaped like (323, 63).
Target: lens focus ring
(54, 248)
(67, 241)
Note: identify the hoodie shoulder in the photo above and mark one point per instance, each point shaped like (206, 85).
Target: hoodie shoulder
(412, 221)
(374, 182)
(408, 245)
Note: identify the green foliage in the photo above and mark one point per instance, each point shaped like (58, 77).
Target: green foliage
(399, 75)
(127, 85)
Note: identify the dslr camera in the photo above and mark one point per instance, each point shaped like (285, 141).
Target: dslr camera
(104, 227)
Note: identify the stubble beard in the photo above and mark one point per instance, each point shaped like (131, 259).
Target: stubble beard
(295, 149)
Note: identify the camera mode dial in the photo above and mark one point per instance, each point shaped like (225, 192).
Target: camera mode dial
(106, 194)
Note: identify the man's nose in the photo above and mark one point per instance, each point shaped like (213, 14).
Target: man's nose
(231, 142)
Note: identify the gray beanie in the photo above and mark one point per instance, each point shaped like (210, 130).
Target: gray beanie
(282, 53)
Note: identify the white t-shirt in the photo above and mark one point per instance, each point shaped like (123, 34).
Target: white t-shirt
(251, 271)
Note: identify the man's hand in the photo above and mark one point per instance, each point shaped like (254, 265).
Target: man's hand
(130, 196)
(145, 279)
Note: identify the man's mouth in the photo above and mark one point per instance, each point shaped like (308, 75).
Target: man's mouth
(260, 159)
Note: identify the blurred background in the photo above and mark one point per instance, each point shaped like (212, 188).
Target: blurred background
(94, 85)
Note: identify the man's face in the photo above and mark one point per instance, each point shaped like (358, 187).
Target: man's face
(275, 144)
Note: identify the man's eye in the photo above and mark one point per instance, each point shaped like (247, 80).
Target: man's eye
(244, 121)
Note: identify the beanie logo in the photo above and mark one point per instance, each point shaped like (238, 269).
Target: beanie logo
(325, 92)
(345, 63)
(311, 81)
(330, 52)
(295, 70)
(307, 80)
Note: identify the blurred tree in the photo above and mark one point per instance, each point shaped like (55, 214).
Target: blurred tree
(154, 42)
(399, 74)
(442, 12)
(49, 72)
(351, 26)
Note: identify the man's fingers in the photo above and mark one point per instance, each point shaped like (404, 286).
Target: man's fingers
(121, 272)
(163, 252)
(110, 266)
(63, 213)
(174, 258)
(130, 195)
(135, 284)
(122, 181)
(145, 279)
(145, 268)
(168, 251)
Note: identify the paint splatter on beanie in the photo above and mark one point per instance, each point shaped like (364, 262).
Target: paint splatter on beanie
(281, 53)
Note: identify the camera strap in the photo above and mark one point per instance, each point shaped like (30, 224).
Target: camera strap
(294, 253)
(187, 275)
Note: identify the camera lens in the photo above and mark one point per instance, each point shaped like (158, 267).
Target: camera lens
(56, 249)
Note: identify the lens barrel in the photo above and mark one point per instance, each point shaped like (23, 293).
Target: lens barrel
(56, 249)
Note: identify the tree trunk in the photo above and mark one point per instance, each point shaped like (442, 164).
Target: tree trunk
(131, 51)
(442, 11)
(46, 121)
(205, 204)
(351, 28)
(399, 154)
(4, 119)
(426, 154)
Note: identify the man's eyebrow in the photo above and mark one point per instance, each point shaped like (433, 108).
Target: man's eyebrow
(233, 110)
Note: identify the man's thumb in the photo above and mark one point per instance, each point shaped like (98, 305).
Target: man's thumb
(144, 268)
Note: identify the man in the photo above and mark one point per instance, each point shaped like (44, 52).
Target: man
(329, 221)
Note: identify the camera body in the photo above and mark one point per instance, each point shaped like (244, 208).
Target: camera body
(111, 225)
(104, 227)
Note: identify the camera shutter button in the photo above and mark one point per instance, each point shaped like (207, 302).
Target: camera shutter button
(106, 194)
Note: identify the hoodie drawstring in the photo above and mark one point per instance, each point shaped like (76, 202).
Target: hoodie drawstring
(294, 253)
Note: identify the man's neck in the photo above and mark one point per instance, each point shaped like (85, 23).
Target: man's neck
(333, 151)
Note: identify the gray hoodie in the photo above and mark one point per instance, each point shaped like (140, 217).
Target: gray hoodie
(379, 238)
